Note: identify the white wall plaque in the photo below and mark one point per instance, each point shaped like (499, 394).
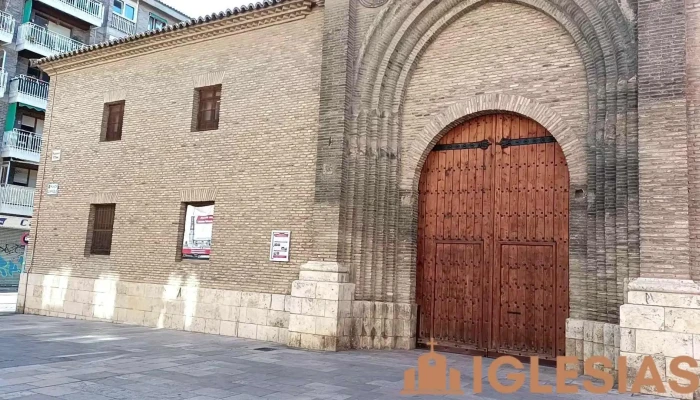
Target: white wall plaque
(53, 189)
(56, 155)
(279, 246)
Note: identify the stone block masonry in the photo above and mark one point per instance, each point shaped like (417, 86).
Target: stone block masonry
(319, 314)
(251, 315)
(661, 319)
(586, 339)
(325, 316)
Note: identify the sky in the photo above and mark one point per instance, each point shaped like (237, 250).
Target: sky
(196, 8)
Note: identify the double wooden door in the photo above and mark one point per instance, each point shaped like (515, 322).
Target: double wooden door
(493, 256)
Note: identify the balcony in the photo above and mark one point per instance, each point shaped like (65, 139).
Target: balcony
(41, 41)
(7, 27)
(30, 91)
(16, 200)
(122, 24)
(90, 11)
(21, 145)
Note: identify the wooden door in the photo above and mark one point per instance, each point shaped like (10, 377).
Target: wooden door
(492, 273)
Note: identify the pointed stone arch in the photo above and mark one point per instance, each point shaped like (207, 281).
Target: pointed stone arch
(380, 169)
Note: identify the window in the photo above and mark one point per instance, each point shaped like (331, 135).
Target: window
(197, 230)
(113, 121)
(20, 177)
(156, 22)
(125, 9)
(60, 29)
(30, 123)
(5, 179)
(208, 104)
(33, 173)
(101, 228)
(38, 74)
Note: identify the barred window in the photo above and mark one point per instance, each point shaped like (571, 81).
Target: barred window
(100, 234)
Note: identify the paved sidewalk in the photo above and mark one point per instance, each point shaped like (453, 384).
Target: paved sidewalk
(46, 358)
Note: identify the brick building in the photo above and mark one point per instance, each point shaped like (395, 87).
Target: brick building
(31, 29)
(509, 178)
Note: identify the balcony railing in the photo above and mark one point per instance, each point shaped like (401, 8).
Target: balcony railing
(42, 41)
(90, 11)
(29, 90)
(7, 27)
(122, 24)
(17, 200)
(22, 145)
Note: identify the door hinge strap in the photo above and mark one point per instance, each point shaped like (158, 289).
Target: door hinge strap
(505, 142)
(483, 145)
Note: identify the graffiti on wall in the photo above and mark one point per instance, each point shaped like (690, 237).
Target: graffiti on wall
(12, 249)
(8, 269)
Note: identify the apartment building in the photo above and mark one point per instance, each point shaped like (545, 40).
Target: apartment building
(32, 29)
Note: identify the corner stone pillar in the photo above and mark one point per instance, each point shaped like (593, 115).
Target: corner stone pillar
(320, 308)
(321, 301)
(661, 314)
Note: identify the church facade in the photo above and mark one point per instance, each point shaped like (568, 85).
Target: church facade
(513, 178)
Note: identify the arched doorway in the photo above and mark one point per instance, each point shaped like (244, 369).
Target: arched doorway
(493, 234)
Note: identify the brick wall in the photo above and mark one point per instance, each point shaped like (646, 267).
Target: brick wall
(498, 48)
(260, 161)
(693, 101)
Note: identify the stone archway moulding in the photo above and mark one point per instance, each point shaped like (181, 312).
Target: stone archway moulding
(570, 142)
(382, 166)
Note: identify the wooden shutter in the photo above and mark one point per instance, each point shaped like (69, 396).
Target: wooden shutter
(115, 121)
(209, 106)
(102, 227)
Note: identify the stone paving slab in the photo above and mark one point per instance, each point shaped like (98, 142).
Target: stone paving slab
(55, 358)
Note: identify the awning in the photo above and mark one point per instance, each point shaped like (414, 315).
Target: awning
(31, 107)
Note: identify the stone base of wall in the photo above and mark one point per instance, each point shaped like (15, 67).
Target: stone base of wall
(661, 319)
(260, 316)
(325, 316)
(320, 314)
(585, 339)
(381, 325)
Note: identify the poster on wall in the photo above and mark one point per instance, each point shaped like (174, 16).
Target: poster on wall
(199, 223)
(279, 246)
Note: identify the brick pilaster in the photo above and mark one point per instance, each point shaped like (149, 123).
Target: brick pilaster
(693, 96)
(663, 139)
(334, 110)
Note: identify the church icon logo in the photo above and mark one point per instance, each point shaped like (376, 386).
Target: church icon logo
(432, 376)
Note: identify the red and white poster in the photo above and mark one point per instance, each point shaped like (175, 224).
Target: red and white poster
(279, 246)
(199, 224)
